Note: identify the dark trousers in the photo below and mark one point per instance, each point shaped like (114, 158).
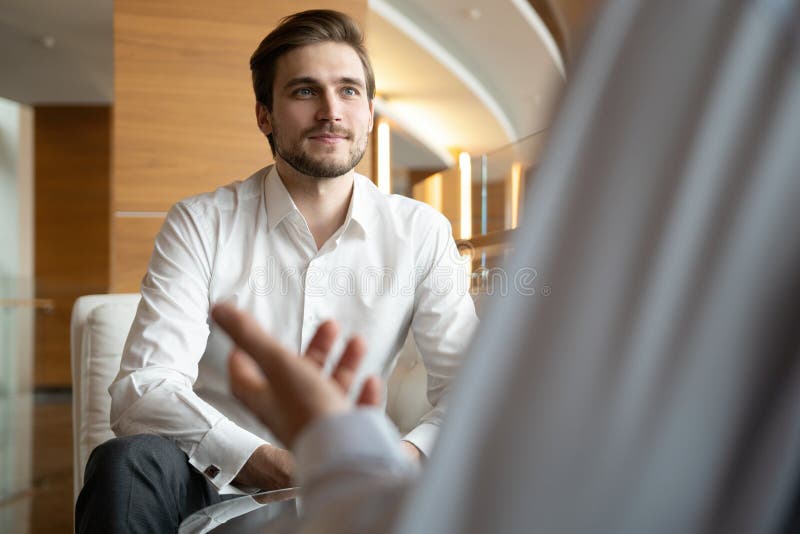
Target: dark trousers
(141, 483)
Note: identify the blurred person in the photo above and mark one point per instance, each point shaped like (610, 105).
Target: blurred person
(296, 243)
(656, 388)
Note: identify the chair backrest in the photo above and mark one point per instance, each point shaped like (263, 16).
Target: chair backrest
(100, 325)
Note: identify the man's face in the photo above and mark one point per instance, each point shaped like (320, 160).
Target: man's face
(321, 117)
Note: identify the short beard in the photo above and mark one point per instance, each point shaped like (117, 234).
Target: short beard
(300, 161)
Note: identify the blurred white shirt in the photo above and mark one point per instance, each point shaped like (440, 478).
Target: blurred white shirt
(391, 267)
(656, 388)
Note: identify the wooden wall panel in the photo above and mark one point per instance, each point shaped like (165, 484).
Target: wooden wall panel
(71, 151)
(184, 117)
(135, 238)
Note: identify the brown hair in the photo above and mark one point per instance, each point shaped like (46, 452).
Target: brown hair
(302, 29)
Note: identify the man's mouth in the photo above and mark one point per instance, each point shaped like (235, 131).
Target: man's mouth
(328, 136)
(333, 135)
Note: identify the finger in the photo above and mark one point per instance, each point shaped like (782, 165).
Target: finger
(321, 343)
(370, 394)
(246, 378)
(249, 336)
(345, 370)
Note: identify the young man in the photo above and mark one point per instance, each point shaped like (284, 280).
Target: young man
(296, 243)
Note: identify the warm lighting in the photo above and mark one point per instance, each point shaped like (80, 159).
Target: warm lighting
(465, 170)
(384, 158)
(434, 191)
(429, 191)
(516, 181)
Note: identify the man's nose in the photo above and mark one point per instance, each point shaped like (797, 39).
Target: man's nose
(329, 108)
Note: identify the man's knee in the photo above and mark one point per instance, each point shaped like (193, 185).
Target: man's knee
(140, 452)
(146, 470)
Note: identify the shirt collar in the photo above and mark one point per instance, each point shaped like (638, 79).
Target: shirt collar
(277, 199)
(361, 204)
(279, 202)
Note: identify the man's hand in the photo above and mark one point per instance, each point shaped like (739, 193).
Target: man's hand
(268, 468)
(284, 391)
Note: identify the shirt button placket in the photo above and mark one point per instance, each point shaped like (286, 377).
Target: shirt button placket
(309, 311)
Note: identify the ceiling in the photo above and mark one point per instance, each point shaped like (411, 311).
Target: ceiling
(77, 67)
(451, 75)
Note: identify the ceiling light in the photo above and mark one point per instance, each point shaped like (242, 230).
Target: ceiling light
(474, 13)
(47, 41)
(515, 190)
(465, 219)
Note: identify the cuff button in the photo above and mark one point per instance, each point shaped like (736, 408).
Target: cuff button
(211, 471)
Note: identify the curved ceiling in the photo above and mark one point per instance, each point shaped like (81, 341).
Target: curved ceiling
(464, 77)
(55, 52)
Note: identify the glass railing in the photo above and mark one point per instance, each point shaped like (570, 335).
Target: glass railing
(499, 184)
(500, 179)
(485, 217)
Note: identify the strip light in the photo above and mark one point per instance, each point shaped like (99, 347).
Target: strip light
(435, 191)
(384, 158)
(465, 170)
(516, 180)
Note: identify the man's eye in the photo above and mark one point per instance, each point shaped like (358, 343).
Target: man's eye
(304, 91)
(350, 91)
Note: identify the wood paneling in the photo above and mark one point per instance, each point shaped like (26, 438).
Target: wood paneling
(131, 251)
(184, 117)
(71, 146)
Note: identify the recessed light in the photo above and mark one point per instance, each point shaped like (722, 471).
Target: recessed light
(474, 13)
(47, 41)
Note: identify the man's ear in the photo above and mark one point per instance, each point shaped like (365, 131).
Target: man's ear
(263, 119)
(371, 115)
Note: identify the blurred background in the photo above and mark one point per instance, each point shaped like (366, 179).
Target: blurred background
(112, 111)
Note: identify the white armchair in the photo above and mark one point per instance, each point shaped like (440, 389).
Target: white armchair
(100, 325)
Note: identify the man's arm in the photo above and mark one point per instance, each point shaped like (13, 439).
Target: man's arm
(153, 390)
(443, 324)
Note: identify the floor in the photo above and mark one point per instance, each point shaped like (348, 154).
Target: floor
(36, 491)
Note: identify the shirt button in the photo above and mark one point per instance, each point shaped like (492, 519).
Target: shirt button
(211, 471)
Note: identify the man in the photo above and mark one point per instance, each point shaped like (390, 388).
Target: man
(295, 244)
(657, 387)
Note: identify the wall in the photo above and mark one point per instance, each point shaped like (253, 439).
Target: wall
(71, 224)
(184, 118)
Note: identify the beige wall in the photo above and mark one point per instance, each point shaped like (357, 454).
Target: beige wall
(184, 118)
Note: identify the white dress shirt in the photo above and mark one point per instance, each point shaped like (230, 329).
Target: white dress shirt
(656, 388)
(393, 265)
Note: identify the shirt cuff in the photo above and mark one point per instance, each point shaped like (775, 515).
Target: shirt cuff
(423, 437)
(223, 451)
(361, 439)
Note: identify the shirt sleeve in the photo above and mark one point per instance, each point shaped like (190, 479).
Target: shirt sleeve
(153, 391)
(443, 324)
(341, 477)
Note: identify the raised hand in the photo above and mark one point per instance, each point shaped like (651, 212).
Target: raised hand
(287, 392)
